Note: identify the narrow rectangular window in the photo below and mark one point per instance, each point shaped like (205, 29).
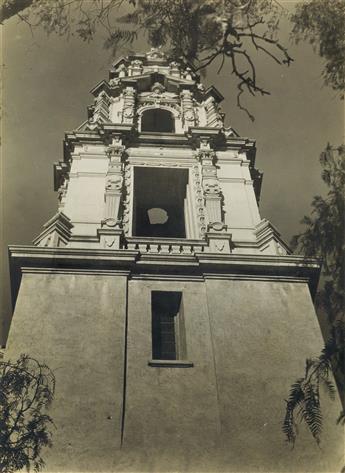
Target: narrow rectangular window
(167, 326)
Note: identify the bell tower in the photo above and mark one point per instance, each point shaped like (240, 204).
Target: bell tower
(173, 315)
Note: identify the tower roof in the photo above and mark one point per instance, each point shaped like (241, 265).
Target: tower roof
(142, 71)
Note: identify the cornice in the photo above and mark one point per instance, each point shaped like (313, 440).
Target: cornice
(146, 138)
(75, 271)
(103, 134)
(163, 266)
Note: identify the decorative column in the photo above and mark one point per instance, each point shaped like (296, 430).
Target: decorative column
(218, 238)
(111, 230)
(137, 67)
(174, 69)
(128, 105)
(188, 115)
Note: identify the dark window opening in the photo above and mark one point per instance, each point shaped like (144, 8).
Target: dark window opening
(167, 326)
(159, 196)
(158, 120)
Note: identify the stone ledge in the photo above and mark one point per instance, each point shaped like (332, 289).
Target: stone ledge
(171, 364)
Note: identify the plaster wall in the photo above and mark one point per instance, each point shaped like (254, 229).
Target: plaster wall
(247, 340)
(85, 199)
(238, 212)
(75, 323)
(167, 406)
(84, 202)
(233, 169)
(262, 333)
(240, 206)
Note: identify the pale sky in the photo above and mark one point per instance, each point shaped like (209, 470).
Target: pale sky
(46, 92)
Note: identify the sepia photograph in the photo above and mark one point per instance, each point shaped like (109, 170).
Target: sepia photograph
(172, 236)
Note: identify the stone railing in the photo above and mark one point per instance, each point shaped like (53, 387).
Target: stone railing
(166, 246)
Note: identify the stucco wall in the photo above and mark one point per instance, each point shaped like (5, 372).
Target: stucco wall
(263, 332)
(247, 340)
(75, 324)
(166, 404)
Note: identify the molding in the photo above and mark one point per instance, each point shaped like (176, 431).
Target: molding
(162, 161)
(78, 271)
(167, 277)
(163, 138)
(170, 363)
(56, 232)
(75, 175)
(234, 180)
(262, 260)
(166, 241)
(248, 277)
(184, 267)
(266, 233)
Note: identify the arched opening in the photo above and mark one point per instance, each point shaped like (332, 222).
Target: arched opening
(158, 120)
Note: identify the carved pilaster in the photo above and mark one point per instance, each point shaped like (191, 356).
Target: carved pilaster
(200, 210)
(127, 199)
(136, 67)
(174, 69)
(121, 71)
(211, 187)
(128, 105)
(113, 186)
(188, 114)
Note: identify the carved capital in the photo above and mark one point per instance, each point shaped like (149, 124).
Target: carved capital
(211, 187)
(206, 156)
(114, 183)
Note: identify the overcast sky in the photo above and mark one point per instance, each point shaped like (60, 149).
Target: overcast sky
(46, 91)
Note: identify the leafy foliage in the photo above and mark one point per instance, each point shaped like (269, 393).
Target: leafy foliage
(322, 23)
(323, 237)
(324, 234)
(303, 403)
(26, 391)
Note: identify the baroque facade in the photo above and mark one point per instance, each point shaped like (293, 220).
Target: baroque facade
(173, 315)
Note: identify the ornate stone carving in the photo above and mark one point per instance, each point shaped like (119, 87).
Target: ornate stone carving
(212, 190)
(113, 185)
(121, 70)
(174, 69)
(158, 88)
(115, 82)
(188, 73)
(128, 105)
(188, 113)
(136, 67)
(154, 101)
(62, 193)
(211, 187)
(127, 199)
(155, 54)
(200, 212)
